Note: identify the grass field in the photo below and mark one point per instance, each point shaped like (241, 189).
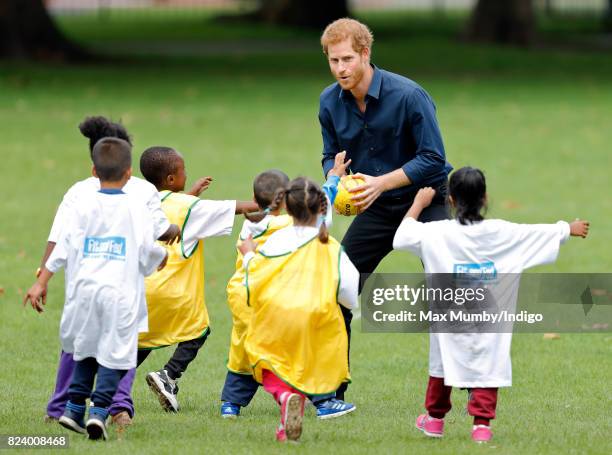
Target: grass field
(537, 122)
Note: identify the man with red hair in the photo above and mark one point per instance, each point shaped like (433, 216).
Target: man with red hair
(387, 125)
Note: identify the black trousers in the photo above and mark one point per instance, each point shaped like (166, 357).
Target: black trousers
(185, 353)
(369, 238)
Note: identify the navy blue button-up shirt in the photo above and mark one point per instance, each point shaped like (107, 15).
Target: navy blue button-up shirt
(398, 130)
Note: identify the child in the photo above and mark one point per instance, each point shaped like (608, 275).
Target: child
(240, 387)
(296, 340)
(175, 296)
(107, 244)
(479, 362)
(96, 128)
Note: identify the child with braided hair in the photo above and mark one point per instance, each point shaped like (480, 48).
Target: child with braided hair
(296, 341)
(269, 194)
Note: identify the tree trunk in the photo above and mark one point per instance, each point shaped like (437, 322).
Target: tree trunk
(27, 31)
(503, 21)
(301, 13)
(608, 17)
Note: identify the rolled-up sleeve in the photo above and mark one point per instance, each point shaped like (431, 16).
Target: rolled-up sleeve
(409, 236)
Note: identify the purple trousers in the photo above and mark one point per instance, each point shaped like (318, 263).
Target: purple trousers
(122, 401)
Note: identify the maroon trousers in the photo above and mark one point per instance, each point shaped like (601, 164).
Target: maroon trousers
(481, 404)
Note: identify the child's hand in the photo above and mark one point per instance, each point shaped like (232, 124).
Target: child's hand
(340, 166)
(172, 235)
(37, 296)
(163, 263)
(579, 228)
(424, 196)
(247, 245)
(200, 185)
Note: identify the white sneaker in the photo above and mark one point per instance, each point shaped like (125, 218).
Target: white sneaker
(165, 389)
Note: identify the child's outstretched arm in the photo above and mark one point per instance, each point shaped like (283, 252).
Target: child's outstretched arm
(37, 294)
(579, 228)
(340, 166)
(421, 201)
(333, 178)
(246, 207)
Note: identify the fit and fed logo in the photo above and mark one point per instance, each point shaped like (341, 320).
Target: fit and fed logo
(484, 271)
(105, 247)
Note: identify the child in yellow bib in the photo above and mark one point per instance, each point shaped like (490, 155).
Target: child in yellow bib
(296, 341)
(175, 298)
(240, 387)
(268, 191)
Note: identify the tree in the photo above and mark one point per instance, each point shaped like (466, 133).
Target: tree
(503, 21)
(608, 17)
(27, 31)
(301, 13)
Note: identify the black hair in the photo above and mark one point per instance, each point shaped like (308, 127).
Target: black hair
(111, 157)
(97, 127)
(156, 163)
(305, 199)
(269, 190)
(468, 188)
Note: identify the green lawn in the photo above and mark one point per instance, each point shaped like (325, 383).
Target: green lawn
(537, 122)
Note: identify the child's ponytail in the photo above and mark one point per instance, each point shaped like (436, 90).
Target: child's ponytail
(269, 190)
(306, 202)
(277, 202)
(323, 232)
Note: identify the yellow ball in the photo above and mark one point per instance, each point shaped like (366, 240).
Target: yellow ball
(343, 202)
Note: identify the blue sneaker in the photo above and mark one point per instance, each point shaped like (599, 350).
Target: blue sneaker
(73, 417)
(96, 425)
(332, 408)
(229, 410)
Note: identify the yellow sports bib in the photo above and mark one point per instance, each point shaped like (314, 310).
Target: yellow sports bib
(175, 295)
(297, 330)
(238, 361)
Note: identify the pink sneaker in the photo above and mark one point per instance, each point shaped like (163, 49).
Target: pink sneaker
(481, 434)
(281, 436)
(292, 412)
(432, 427)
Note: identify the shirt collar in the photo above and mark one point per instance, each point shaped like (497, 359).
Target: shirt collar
(110, 191)
(373, 89)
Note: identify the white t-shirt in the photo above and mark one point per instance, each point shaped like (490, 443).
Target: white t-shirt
(445, 247)
(135, 186)
(208, 219)
(291, 238)
(108, 245)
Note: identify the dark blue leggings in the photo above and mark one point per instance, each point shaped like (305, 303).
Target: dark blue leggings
(85, 372)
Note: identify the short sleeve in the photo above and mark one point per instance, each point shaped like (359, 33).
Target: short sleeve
(409, 236)
(58, 222)
(208, 219)
(68, 203)
(160, 221)
(66, 237)
(348, 292)
(59, 256)
(151, 254)
(538, 244)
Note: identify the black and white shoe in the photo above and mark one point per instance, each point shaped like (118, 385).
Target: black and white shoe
(165, 389)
